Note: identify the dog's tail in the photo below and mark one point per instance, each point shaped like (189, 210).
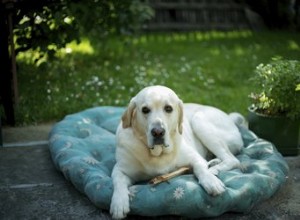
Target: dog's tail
(239, 119)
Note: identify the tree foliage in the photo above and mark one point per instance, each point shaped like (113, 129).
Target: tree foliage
(51, 24)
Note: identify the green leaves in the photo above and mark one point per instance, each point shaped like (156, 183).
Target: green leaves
(278, 83)
(59, 23)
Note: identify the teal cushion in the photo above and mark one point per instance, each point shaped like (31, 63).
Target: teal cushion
(82, 147)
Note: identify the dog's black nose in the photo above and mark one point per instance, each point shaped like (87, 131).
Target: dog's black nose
(158, 132)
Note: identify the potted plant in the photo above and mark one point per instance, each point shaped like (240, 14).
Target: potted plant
(275, 111)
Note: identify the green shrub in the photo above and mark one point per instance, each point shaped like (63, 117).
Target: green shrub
(277, 88)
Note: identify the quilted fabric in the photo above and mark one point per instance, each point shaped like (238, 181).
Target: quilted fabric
(82, 147)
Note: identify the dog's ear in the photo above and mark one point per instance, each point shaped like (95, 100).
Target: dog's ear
(128, 114)
(180, 117)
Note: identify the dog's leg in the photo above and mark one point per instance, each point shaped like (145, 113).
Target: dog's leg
(211, 184)
(214, 139)
(228, 160)
(119, 206)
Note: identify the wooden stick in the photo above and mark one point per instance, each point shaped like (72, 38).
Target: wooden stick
(166, 177)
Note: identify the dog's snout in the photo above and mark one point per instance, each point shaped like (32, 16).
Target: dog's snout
(158, 132)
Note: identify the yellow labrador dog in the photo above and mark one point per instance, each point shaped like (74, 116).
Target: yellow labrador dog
(158, 134)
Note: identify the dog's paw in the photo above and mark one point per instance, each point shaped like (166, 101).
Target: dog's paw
(224, 166)
(212, 184)
(214, 170)
(119, 207)
(213, 162)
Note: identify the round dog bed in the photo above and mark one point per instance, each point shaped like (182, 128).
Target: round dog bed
(82, 147)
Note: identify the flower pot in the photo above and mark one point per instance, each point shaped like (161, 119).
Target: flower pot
(284, 133)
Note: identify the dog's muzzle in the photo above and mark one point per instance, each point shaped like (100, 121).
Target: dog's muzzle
(158, 134)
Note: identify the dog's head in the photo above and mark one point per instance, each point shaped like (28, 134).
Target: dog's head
(155, 115)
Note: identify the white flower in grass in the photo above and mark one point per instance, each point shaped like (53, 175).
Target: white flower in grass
(178, 193)
(90, 160)
(117, 67)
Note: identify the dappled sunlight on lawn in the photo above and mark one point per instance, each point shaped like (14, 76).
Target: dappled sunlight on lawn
(205, 67)
(34, 56)
(83, 47)
(293, 45)
(192, 36)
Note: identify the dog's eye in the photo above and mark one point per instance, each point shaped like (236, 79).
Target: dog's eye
(168, 108)
(145, 110)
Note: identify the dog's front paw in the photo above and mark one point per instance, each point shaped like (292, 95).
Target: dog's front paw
(213, 162)
(214, 170)
(224, 166)
(119, 206)
(212, 184)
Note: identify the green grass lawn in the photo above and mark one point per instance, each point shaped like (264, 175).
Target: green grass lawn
(204, 67)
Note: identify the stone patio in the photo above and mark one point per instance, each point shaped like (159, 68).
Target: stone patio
(31, 188)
